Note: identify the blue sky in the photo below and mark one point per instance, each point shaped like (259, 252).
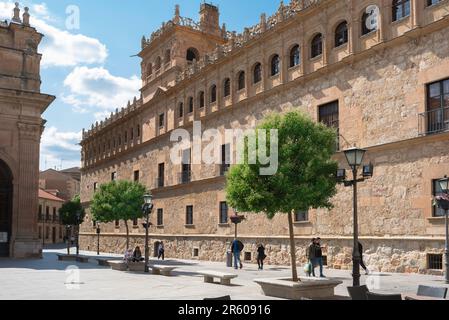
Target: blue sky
(90, 69)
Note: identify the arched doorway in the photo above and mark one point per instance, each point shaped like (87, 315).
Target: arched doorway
(5, 208)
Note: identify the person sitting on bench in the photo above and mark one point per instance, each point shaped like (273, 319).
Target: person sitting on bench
(137, 255)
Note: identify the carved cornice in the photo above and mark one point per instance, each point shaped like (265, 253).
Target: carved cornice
(29, 131)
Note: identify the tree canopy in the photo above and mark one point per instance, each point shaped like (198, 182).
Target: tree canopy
(68, 212)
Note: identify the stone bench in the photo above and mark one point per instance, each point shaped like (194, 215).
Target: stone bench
(164, 270)
(118, 265)
(66, 257)
(136, 266)
(225, 278)
(104, 261)
(82, 259)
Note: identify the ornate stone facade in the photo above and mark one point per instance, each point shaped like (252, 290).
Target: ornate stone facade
(21, 126)
(379, 81)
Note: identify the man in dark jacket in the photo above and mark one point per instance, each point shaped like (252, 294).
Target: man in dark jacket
(236, 248)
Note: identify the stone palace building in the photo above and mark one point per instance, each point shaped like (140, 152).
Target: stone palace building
(21, 126)
(377, 70)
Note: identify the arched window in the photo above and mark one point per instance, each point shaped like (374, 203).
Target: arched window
(181, 110)
(275, 65)
(167, 57)
(241, 80)
(190, 104)
(369, 21)
(257, 76)
(295, 56)
(201, 101)
(401, 9)
(213, 94)
(149, 69)
(157, 63)
(227, 87)
(192, 54)
(317, 45)
(341, 34)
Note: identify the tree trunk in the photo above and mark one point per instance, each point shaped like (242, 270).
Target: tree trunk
(68, 242)
(127, 235)
(292, 248)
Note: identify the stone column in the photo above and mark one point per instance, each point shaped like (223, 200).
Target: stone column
(416, 9)
(26, 241)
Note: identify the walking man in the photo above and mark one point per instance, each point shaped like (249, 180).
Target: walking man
(236, 248)
(161, 251)
(362, 264)
(310, 253)
(318, 257)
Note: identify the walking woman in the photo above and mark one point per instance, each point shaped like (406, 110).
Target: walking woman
(260, 256)
(161, 251)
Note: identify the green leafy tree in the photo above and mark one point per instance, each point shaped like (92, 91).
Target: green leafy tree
(120, 200)
(72, 214)
(305, 177)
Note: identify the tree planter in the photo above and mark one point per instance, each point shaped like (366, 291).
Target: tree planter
(308, 288)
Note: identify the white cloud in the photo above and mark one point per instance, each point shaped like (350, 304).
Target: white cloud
(97, 88)
(60, 48)
(60, 148)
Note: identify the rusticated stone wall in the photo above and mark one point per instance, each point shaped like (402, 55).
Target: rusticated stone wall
(405, 255)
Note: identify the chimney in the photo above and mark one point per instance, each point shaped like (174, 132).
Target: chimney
(210, 19)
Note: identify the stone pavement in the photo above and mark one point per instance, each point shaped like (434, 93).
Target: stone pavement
(49, 279)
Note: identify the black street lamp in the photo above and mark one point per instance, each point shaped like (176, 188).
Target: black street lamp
(355, 157)
(146, 209)
(98, 238)
(444, 204)
(236, 220)
(78, 218)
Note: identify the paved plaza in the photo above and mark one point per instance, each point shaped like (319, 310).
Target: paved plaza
(50, 279)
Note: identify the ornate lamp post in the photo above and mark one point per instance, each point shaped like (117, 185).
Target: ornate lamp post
(98, 238)
(355, 157)
(444, 204)
(146, 209)
(78, 218)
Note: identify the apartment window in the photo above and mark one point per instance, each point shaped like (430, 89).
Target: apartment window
(40, 212)
(436, 191)
(432, 2)
(241, 80)
(47, 213)
(181, 110)
(369, 22)
(329, 115)
(95, 186)
(401, 9)
(295, 56)
(55, 217)
(301, 216)
(126, 136)
(227, 87)
(113, 176)
(47, 233)
(136, 176)
(341, 34)
(223, 212)
(435, 261)
(119, 140)
(160, 217)
(132, 133)
(438, 106)
(275, 65)
(225, 159)
(161, 174)
(317, 46)
(190, 104)
(257, 73)
(201, 99)
(161, 120)
(189, 215)
(213, 94)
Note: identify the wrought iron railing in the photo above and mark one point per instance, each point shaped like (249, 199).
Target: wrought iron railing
(185, 177)
(434, 121)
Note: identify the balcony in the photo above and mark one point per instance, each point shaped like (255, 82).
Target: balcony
(224, 168)
(185, 177)
(434, 121)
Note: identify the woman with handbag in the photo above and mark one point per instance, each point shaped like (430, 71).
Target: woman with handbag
(261, 256)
